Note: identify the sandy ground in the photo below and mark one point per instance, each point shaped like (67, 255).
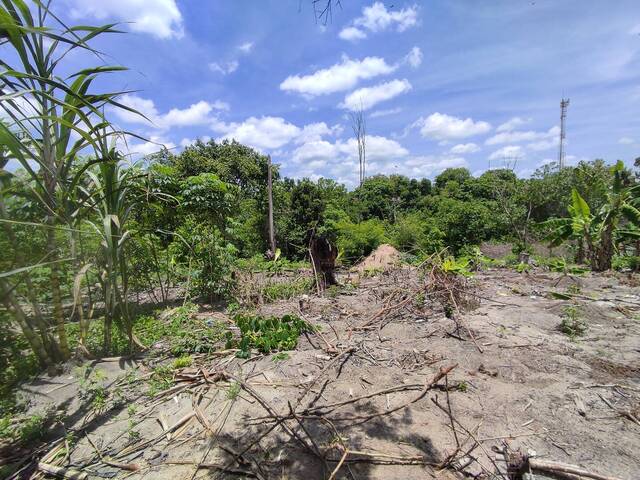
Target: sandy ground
(531, 386)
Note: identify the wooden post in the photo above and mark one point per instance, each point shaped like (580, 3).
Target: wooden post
(272, 236)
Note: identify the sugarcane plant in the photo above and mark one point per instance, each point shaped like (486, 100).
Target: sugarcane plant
(53, 123)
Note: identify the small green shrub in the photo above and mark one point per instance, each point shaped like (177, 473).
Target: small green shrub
(267, 334)
(626, 262)
(572, 324)
(183, 362)
(285, 290)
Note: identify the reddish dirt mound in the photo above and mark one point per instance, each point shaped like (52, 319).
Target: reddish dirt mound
(382, 258)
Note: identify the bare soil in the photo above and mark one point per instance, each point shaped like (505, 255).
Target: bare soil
(572, 400)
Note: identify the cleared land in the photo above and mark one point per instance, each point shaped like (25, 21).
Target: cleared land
(355, 392)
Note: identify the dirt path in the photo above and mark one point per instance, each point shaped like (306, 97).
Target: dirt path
(572, 400)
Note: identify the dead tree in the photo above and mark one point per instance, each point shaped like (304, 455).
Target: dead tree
(323, 258)
(359, 126)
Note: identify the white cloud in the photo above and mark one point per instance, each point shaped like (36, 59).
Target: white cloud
(261, 133)
(543, 145)
(367, 97)
(352, 34)
(315, 131)
(339, 77)
(155, 144)
(376, 18)
(224, 68)
(272, 132)
(635, 30)
(514, 136)
(246, 47)
(626, 141)
(414, 57)
(196, 114)
(439, 126)
(378, 148)
(160, 18)
(507, 153)
(463, 148)
(512, 124)
(384, 113)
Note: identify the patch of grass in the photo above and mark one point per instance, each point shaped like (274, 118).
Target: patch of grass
(572, 324)
(280, 356)
(233, 391)
(92, 388)
(462, 386)
(183, 362)
(286, 290)
(184, 331)
(24, 430)
(161, 379)
(267, 334)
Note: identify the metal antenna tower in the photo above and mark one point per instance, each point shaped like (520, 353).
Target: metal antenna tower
(564, 103)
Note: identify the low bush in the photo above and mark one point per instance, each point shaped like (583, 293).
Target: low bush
(266, 334)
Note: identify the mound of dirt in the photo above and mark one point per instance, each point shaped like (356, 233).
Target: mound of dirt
(382, 258)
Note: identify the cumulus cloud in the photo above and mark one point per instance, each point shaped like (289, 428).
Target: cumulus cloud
(512, 124)
(352, 34)
(339, 77)
(377, 18)
(196, 114)
(515, 136)
(463, 148)
(268, 133)
(439, 126)
(368, 97)
(160, 18)
(507, 153)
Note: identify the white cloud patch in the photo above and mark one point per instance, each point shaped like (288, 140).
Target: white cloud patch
(385, 113)
(626, 141)
(509, 152)
(352, 34)
(269, 133)
(160, 18)
(196, 114)
(543, 145)
(246, 47)
(377, 18)
(368, 97)
(463, 148)
(439, 126)
(512, 124)
(135, 151)
(339, 77)
(414, 57)
(224, 68)
(515, 136)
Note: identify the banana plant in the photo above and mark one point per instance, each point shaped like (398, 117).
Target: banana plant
(598, 235)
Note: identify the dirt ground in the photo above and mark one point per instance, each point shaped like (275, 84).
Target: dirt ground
(572, 400)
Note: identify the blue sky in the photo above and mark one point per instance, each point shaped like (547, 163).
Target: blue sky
(444, 83)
